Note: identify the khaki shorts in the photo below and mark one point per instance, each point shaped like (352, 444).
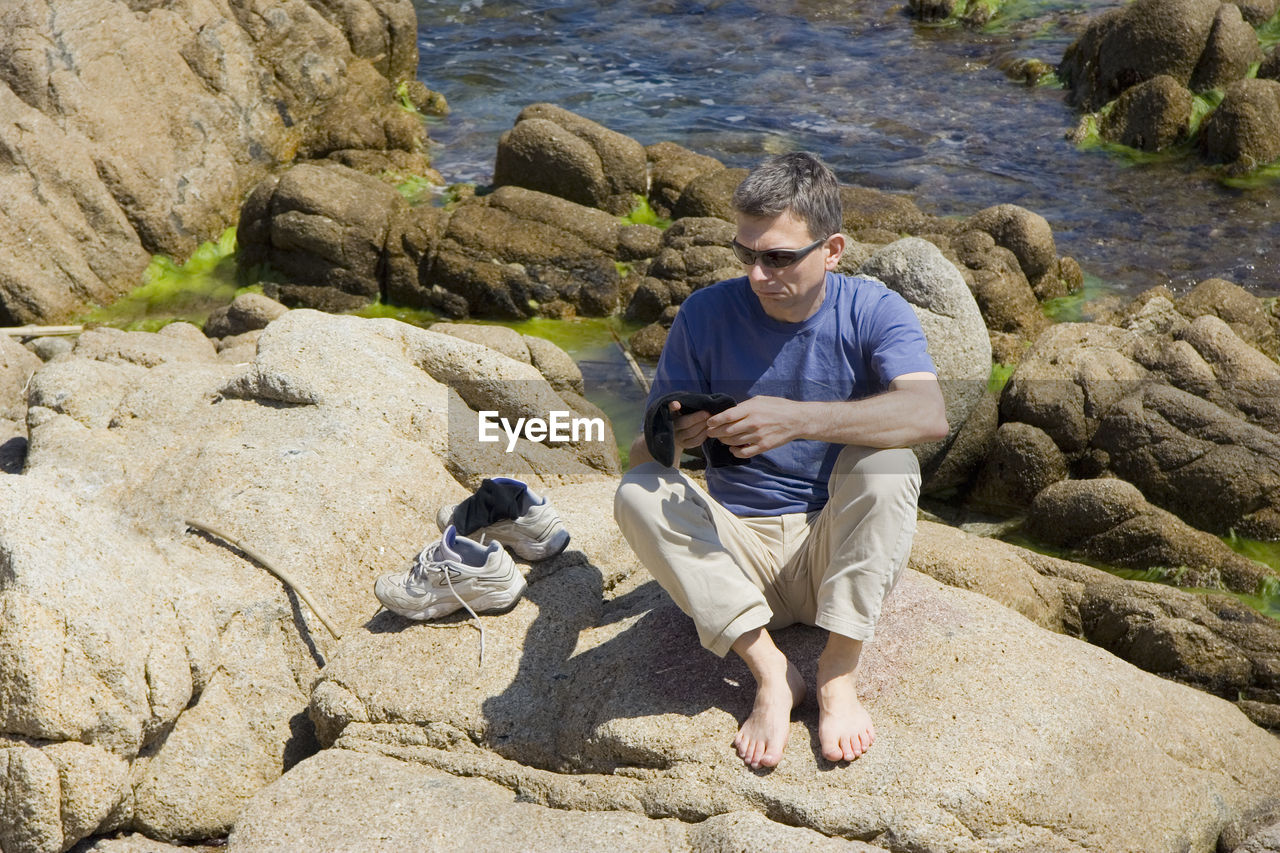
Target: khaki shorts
(831, 568)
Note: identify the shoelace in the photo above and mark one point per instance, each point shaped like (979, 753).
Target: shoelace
(422, 565)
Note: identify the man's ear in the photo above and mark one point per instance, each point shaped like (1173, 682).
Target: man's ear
(834, 249)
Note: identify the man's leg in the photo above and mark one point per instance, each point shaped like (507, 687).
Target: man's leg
(718, 569)
(855, 553)
(779, 688)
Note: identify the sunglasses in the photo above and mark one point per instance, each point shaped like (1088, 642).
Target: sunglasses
(774, 259)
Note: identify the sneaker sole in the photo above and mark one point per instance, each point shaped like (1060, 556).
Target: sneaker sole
(492, 602)
(532, 549)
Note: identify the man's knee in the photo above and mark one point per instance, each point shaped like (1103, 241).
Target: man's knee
(641, 488)
(890, 473)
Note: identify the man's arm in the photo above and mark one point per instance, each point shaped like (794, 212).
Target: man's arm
(911, 412)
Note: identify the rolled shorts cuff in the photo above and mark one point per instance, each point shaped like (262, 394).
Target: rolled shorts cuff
(853, 629)
(754, 617)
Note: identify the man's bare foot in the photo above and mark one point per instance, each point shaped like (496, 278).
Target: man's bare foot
(763, 737)
(845, 731)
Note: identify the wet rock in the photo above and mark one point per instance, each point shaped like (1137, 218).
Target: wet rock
(866, 208)
(1244, 312)
(638, 241)
(710, 194)
(648, 301)
(936, 680)
(140, 131)
(1231, 48)
(671, 168)
(1022, 461)
(1022, 232)
(647, 343)
(504, 264)
(594, 227)
(1006, 300)
(1123, 47)
(1150, 116)
(1270, 67)
(561, 153)
(246, 313)
(951, 321)
(1110, 520)
(1244, 131)
(323, 227)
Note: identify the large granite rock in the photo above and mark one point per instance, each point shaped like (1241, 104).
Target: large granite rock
(957, 337)
(595, 697)
(180, 665)
(140, 126)
(1244, 130)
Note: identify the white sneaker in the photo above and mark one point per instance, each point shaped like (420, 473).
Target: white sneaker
(452, 573)
(534, 532)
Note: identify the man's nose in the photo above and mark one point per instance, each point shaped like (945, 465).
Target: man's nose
(756, 272)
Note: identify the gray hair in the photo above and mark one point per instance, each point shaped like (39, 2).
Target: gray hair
(798, 182)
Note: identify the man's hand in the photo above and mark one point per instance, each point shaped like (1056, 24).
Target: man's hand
(691, 430)
(756, 425)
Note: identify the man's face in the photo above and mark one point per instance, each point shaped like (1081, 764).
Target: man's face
(794, 293)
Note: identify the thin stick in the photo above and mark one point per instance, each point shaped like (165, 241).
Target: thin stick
(280, 573)
(39, 331)
(631, 362)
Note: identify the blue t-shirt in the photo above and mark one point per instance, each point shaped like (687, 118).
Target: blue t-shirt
(862, 338)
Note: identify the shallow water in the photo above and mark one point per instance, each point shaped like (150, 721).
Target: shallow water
(887, 101)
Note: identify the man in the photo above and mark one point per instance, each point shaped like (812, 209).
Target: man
(831, 379)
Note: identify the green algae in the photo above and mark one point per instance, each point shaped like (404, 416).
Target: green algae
(999, 376)
(642, 214)
(380, 310)
(415, 189)
(1265, 599)
(173, 292)
(1073, 308)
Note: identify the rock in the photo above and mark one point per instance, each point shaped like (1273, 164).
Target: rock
(555, 364)
(566, 155)
(50, 347)
(968, 448)
(709, 195)
(1244, 130)
(176, 342)
(1270, 67)
(1209, 360)
(1006, 300)
(323, 227)
(501, 339)
(1022, 232)
(1150, 116)
(1022, 461)
(1110, 520)
(594, 227)
(992, 568)
(648, 301)
(1266, 840)
(247, 312)
(952, 325)
(577, 708)
(197, 684)
(636, 242)
(1126, 46)
(1243, 311)
(13, 445)
(17, 364)
(501, 263)
(866, 208)
(671, 168)
(1231, 48)
(401, 802)
(139, 131)
(647, 342)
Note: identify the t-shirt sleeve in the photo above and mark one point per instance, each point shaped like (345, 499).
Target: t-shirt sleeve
(897, 341)
(678, 366)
